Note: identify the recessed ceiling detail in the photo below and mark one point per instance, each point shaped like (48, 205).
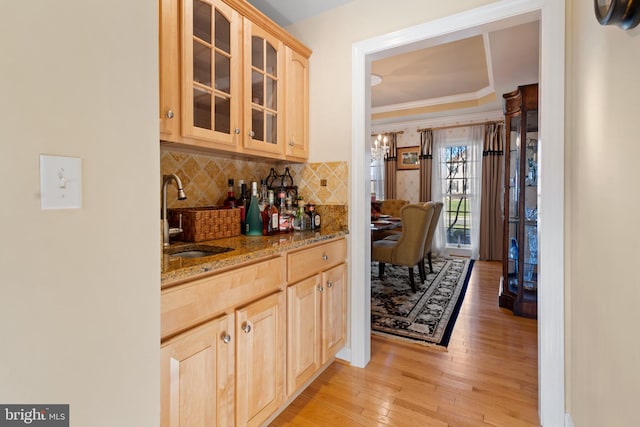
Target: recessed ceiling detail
(464, 76)
(445, 73)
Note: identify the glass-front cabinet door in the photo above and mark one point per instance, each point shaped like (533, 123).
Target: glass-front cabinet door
(519, 287)
(211, 71)
(263, 91)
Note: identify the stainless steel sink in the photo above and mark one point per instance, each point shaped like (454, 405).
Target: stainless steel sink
(196, 251)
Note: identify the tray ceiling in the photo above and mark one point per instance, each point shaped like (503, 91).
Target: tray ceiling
(464, 76)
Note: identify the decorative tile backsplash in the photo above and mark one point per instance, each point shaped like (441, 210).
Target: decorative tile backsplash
(204, 178)
(310, 177)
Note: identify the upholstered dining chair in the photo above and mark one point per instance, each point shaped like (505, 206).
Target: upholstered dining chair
(392, 207)
(437, 210)
(428, 243)
(408, 250)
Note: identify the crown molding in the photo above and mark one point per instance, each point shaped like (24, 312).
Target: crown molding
(463, 97)
(460, 119)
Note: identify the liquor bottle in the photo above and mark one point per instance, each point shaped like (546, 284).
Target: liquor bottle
(284, 223)
(270, 217)
(263, 195)
(314, 217)
(300, 221)
(243, 204)
(253, 221)
(230, 201)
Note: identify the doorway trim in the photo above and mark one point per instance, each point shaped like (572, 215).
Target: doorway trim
(551, 346)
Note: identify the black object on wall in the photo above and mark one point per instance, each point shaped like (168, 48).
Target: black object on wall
(623, 13)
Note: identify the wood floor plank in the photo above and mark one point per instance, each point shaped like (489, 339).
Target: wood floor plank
(487, 377)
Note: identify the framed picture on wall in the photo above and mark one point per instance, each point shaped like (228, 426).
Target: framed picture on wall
(408, 158)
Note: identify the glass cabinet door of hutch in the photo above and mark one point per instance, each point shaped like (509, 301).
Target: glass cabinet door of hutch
(520, 260)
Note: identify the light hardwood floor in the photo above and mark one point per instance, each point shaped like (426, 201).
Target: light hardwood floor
(488, 376)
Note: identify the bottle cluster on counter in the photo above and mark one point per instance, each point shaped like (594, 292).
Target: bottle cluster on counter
(267, 212)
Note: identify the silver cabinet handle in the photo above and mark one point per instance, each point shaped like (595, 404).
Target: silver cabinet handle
(251, 134)
(226, 338)
(246, 328)
(329, 284)
(237, 131)
(169, 114)
(325, 257)
(320, 288)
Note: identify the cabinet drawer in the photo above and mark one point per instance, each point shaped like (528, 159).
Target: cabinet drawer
(194, 302)
(307, 262)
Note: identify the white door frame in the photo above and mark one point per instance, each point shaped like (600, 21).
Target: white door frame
(551, 13)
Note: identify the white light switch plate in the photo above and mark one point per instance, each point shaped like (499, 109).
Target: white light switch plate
(60, 182)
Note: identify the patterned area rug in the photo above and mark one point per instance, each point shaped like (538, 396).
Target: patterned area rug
(426, 316)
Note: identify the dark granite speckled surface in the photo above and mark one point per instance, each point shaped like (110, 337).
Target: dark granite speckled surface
(245, 250)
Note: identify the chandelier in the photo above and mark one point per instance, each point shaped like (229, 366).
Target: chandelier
(380, 147)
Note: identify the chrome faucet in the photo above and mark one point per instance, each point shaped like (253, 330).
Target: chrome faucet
(166, 232)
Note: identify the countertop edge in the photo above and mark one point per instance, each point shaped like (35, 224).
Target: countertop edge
(266, 247)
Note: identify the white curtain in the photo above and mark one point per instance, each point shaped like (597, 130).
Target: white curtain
(472, 137)
(377, 178)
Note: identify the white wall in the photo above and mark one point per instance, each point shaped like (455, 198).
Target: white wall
(331, 36)
(79, 289)
(603, 153)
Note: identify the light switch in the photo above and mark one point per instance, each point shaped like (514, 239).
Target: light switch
(60, 182)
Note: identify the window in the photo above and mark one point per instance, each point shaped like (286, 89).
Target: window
(456, 179)
(456, 192)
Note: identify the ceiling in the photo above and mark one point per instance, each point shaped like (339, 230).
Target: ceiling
(462, 77)
(287, 12)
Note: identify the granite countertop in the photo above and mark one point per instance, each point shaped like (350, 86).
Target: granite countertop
(246, 249)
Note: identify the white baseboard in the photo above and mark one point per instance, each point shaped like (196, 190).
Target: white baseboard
(344, 354)
(568, 421)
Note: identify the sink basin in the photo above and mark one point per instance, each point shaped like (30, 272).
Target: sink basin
(196, 251)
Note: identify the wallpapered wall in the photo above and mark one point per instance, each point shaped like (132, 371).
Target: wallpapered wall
(408, 181)
(205, 178)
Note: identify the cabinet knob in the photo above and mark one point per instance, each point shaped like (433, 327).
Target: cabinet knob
(320, 288)
(329, 284)
(292, 143)
(251, 134)
(325, 257)
(246, 328)
(226, 338)
(237, 131)
(170, 114)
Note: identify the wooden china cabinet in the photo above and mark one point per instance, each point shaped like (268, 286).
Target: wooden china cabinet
(519, 282)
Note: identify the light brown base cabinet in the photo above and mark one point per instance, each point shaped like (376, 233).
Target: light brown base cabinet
(197, 377)
(236, 344)
(316, 310)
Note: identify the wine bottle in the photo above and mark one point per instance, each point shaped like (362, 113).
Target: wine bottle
(243, 204)
(253, 220)
(230, 201)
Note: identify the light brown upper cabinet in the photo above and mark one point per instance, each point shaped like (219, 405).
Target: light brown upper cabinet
(297, 108)
(264, 90)
(225, 85)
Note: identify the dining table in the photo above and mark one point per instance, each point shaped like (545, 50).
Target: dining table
(383, 223)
